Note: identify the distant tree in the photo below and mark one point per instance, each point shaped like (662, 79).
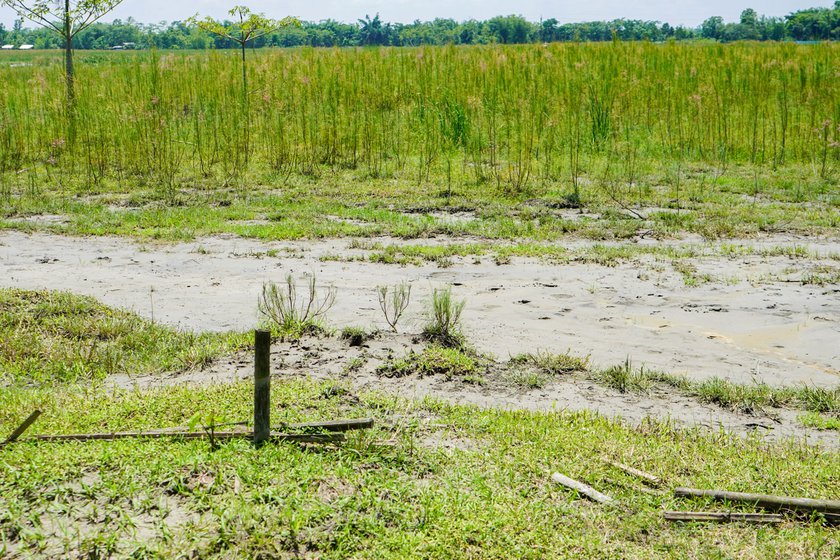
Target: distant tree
(749, 17)
(510, 29)
(373, 31)
(249, 27)
(66, 18)
(548, 30)
(712, 27)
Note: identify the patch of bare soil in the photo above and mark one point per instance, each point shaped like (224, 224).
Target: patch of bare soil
(330, 358)
(752, 322)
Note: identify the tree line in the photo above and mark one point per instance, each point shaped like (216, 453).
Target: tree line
(814, 24)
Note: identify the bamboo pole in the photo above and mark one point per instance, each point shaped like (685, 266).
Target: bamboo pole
(582, 488)
(764, 500)
(723, 517)
(300, 438)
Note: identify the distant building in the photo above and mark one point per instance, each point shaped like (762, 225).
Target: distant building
(27, 47)
(124, 47)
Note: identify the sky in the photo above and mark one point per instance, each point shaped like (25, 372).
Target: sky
(676, 12)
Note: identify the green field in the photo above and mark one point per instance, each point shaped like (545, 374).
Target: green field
(699, 134)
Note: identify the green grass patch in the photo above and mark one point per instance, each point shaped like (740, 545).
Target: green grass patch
(819, 421)
(453, 363)
(749, 399)
(430, 481)
(48, 337)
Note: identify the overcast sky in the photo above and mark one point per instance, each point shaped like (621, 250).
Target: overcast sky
(685, 12)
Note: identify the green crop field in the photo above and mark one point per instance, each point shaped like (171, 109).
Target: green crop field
(694, 127)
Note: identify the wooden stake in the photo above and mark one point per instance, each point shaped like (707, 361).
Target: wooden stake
(764, 500)
(262, 386)
(22, 428)
(582, 488)
(723, 517)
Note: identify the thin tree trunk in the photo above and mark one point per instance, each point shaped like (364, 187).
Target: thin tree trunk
(245, 107)
(68, 55)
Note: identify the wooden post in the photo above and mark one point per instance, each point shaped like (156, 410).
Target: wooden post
(22, 428)
(262, 387)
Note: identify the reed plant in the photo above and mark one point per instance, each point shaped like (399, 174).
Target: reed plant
(510, 117)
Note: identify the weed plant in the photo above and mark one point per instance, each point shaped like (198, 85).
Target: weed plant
(578, 120)
(444, 319)
(292, 315)
(394, 305)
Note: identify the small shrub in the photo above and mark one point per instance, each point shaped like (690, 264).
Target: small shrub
(528, 378)
(444, 324)
(394, 306)
(355, 336)
(293, 315)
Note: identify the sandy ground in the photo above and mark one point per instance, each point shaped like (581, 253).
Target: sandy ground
(745, 330)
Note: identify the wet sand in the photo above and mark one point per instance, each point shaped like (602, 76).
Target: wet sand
(782, 333)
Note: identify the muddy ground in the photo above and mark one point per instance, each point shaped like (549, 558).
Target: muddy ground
(744, 326)
(750, 323)
(364, 368)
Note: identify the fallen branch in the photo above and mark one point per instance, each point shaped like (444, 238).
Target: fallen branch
(22, 428)
(276, 437)
(582, 488)
(764, 500)
(653, 480)
(723, 517)
(332, 425)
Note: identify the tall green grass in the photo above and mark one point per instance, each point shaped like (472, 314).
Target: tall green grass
(511, 117)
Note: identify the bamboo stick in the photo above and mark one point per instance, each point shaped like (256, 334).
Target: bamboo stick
(332, 425)
(764, 500)
(654, 480)
(582, 488)
(723, 517)
(276, 437)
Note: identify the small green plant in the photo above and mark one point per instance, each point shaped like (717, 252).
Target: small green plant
(444, 322)
(355, 336)
(434, 360)
(293, 315)
(553, 364)
(528, 378)
(394, 306)
(208, 423)
(623, 379)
